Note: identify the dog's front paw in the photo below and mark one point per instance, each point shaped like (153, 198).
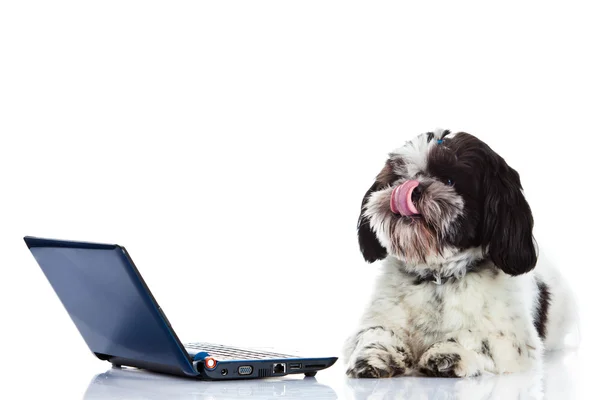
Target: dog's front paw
(449, 360)
(378, 361)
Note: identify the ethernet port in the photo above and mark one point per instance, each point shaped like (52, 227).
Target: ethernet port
(279, 368)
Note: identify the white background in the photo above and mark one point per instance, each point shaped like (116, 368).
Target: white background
(228, 145)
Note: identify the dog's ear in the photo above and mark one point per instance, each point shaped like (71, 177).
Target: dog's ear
(370, 247)
(507, 220)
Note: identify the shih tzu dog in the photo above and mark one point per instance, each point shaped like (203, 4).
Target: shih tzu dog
(458, 295)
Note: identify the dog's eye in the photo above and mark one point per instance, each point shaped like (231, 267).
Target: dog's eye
(449, 182)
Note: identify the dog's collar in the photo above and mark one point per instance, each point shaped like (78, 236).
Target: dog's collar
(439, 279)
(431, 277)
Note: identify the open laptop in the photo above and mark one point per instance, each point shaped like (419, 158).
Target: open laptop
(122, 323)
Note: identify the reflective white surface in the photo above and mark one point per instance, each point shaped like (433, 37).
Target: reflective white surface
(555, 381)
(551, 382)
(228, 147)
(135, 384)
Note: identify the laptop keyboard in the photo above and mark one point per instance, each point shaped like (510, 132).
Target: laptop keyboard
(221, 352)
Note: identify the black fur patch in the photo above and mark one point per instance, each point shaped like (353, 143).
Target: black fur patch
(541, 316)
(397, 370)
(485, 348)
(495, 214)
(370, 247)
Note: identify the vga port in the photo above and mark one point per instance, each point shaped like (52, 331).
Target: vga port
(245, 370)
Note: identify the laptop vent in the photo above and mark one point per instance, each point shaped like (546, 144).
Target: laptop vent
(264, 372)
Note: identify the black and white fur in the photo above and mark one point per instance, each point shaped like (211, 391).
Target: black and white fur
(458, 295)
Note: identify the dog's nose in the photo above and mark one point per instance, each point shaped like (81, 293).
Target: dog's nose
(416, 194)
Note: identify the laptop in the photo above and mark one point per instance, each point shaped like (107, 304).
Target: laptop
(122, 323)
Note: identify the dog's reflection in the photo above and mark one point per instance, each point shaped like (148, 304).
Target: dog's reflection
(552, 381)
(129, 383)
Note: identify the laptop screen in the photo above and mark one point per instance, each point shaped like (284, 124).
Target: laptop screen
(109, 302)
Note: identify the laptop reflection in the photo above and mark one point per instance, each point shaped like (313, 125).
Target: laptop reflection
(131, 383)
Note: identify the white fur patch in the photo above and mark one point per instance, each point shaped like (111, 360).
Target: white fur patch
(486, 318)
(414, 153)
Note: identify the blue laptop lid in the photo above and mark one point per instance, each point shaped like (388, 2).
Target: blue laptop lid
(109, 302)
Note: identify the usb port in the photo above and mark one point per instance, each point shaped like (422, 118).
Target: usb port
(295, 366)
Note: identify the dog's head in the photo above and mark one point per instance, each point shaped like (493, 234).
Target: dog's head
(442, 194)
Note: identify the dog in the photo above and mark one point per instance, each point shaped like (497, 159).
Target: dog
(458, 294)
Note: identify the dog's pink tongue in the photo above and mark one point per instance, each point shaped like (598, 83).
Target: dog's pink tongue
(401, 200)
